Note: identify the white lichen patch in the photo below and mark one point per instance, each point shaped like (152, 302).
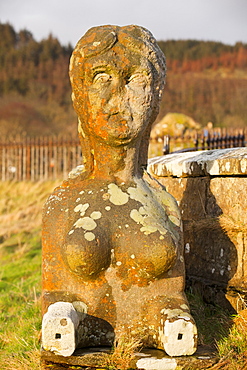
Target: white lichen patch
(87, 223)
(71, 232)
(107, 208)
(106, 196)
(118, 263)
(133, 256)
(142, 211)
(174, 219)
(96, 215)
(117, 196)
(75, 172)
(54, 198)
(136, 216)
(147, 229)
(172, 313)
(187, 248)
(81, 208)
(184, 306)
(89, 236)
(151, 215)
(148, 223)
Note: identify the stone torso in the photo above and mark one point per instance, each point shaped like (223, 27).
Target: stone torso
(121, 226)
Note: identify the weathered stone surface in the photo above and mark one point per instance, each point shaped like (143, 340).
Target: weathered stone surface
(213, 205)
(112, 240)
(157, 364)
(92, 358)
(220, 162)
(59, 327)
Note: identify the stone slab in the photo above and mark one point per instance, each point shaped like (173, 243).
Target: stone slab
(149, 359)
(219, 162)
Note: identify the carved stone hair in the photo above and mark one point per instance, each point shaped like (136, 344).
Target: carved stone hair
(98, 40)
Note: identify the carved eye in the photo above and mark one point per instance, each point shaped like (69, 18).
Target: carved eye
(138, 79)
(101, 77)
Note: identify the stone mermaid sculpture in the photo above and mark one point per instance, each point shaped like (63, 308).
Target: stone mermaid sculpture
(112, 236)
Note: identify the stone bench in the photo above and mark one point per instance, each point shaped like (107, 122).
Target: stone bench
(210, 187)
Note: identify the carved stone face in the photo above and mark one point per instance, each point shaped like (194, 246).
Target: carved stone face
(118, 95)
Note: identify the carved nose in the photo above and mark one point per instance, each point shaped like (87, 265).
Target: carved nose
(118, 101)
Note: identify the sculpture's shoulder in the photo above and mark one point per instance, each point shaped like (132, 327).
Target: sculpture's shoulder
(57, 202)
(77, 173)
(164, 198)
(59, 198)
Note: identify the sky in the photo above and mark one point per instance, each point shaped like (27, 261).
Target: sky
(68, 20)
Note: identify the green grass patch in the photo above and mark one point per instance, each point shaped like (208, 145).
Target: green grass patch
(20, 289)
(213, 322)
(233, 348)
(20, 272)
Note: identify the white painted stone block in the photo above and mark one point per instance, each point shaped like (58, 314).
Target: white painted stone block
(180, 336)
(157, 364)
(59, 327)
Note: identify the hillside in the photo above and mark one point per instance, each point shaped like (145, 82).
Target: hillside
(205, 80)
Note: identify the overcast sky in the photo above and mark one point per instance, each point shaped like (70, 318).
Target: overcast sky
(68, 20)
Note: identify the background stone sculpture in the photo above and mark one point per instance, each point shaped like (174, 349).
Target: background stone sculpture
(112, 240)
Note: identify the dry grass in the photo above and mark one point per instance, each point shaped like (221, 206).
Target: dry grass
(233, 348)
(123, 354)
(29, 361)
(21, 205)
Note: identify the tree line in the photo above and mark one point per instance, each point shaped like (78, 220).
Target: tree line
(206, 80)
(197, 56)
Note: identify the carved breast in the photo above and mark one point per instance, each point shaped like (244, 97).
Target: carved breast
(126, 228)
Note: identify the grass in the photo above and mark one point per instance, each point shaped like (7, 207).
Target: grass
(122, 355)
(20, 289)
(233, 348)
(213, 322)
(20, 273)
(20, 299)
(222, 331)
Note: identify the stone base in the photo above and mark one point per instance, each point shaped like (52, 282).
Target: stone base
(148, 359)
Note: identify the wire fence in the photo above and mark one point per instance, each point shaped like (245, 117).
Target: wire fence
(53, 157)
(39, 158)
(219, 138)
